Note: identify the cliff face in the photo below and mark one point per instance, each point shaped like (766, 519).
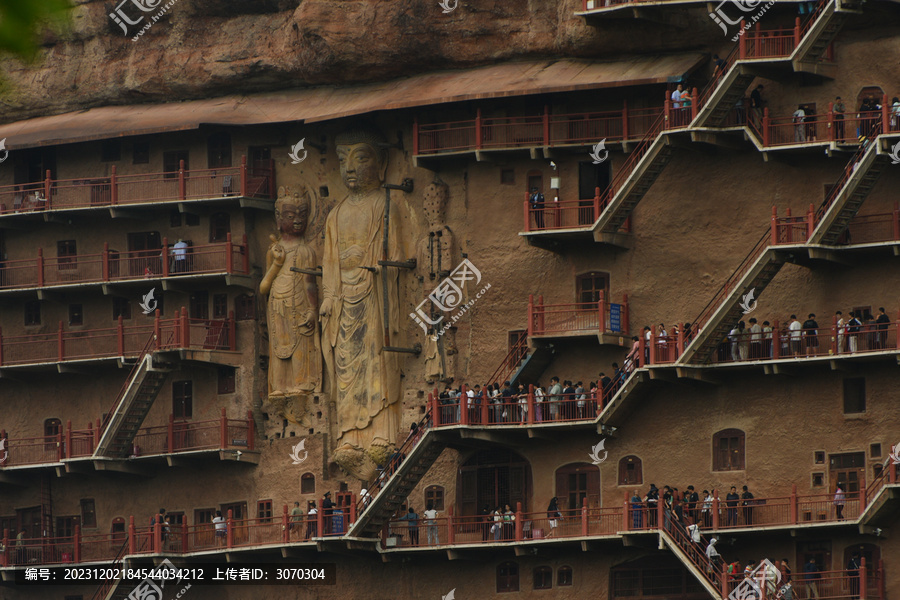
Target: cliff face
(204, 48)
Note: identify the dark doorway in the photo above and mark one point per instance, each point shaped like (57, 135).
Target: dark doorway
(493, 478)
(144, 253)
(590, 177)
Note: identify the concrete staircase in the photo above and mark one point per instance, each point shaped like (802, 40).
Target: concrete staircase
(693, 557)
(821, 32)
(135, 400)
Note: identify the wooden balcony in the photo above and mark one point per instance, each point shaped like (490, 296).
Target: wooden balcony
(606, 321)
(177, 437)
(248, 185)
(64, 350)
(109, 267)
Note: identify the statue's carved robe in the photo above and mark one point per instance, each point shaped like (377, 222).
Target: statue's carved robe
(295, 364)
(365, 380)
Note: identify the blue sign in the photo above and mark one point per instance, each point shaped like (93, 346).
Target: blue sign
(615, 318)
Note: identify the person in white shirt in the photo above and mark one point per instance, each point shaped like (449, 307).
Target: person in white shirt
(798, 117)
(221, 528)
(841, 330)
(768, 340)
(431, 527)
(470, 394)
(734, 337)
(676, 96)
(795, 328)
(179, 251)
(755, 340)
(538, 400)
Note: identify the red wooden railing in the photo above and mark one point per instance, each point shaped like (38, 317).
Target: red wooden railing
(177, 436)
(256, 180)
(511, 362)
(581, 317)
(110, 265)
(61, 346)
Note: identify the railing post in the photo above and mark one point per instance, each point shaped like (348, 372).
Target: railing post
(229, 534)
(251, 431)
(597, 208)
(519, 529)
(132, 542)
(774, 235)
(624, 120)
(601, 307)
(320, 519)
(463, 405)
(540, 316)
(810, 221)
(584, 516)
(245, 185)
(1, 346)
(185, 329)
(120, 335)
(76, 543)
(547, 125)
(60, 453)
(660, 514)
(170, 441)
(182, 183)
(862, 490)
(435, 411)
(229, 257)
(831, 132)
(626, 324)
(528, 213)
(863, 584)
(113, 187)
(40, 267)
(531, 404)
(776, 339)
(223, 430)
(353, 501)
(530, 315)
(68, 451)
(3, 557)
(415, 136)
(451, 535)
(765, 127)
(232, 331)
(794, 511)
(184, 536)
(642, 350)
(48, 189)
(485, 398)
(96, 435)
(61, 343)
(723, 577)
(245, 255)
(742, 43)
(626, 522)
(788, 228)
(715, 509)
(885, 114)
(479, 133)
(157, 333)
(679, 342)
(165, 257)
(652, 345)
(157, 538)
(796, 32)
(896, 221)
(285, 532)
(105, 261)
(695, 103)
(667, 110)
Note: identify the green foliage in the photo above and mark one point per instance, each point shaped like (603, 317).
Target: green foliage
(22, 21)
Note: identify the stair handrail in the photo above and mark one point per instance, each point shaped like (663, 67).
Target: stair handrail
(148, 349)
(104, 588)
(403, 451)
(704, 565)
(729, 284)
(849, 170)
(507, 366)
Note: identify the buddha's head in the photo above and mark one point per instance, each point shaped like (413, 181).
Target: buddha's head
(363, 158)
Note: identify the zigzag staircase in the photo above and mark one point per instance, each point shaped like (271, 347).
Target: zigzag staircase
(717, 318)
(715, 104)
(132, 405)
(842, 204)
(693, 557)
(523, 362)
(407, 474)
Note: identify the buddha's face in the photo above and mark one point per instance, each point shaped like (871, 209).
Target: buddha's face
(292, 218)
(361, 168)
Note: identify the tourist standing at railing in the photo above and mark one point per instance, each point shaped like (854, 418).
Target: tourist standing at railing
(663, 337)
(788, 587)
(712, 555)
(652, 500)
(795, 328)
(538, 402)
(496, 399)
(767, 339)
(853, 327)
(756, 106)
(486, 518)
(20, 547)
(636, 509)
(811, 334)
(841, 327)
(179, 251)
(327, 512)
(431, 529)
(537, 207)
(568, 406)
(797, 119)
(839, 502)
(312, 523)
(838, 110)
(748, 503)
(676, 99)
(743, 341)
(895, 113)
(553, 515)
(412, 525)
(498, 523)
(731, 501)
(811, 578)
(296, 520)
(521, 415)
(580, 401)
(882, 323)
(853, 566)
(648, 339)
(707, 508)
(221, 528)
(691, 498)
(756, 339)
(509, 524)
(618, 377)
(632, 360)
(666, 498)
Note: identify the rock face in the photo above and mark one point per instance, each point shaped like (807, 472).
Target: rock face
(207, 48)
